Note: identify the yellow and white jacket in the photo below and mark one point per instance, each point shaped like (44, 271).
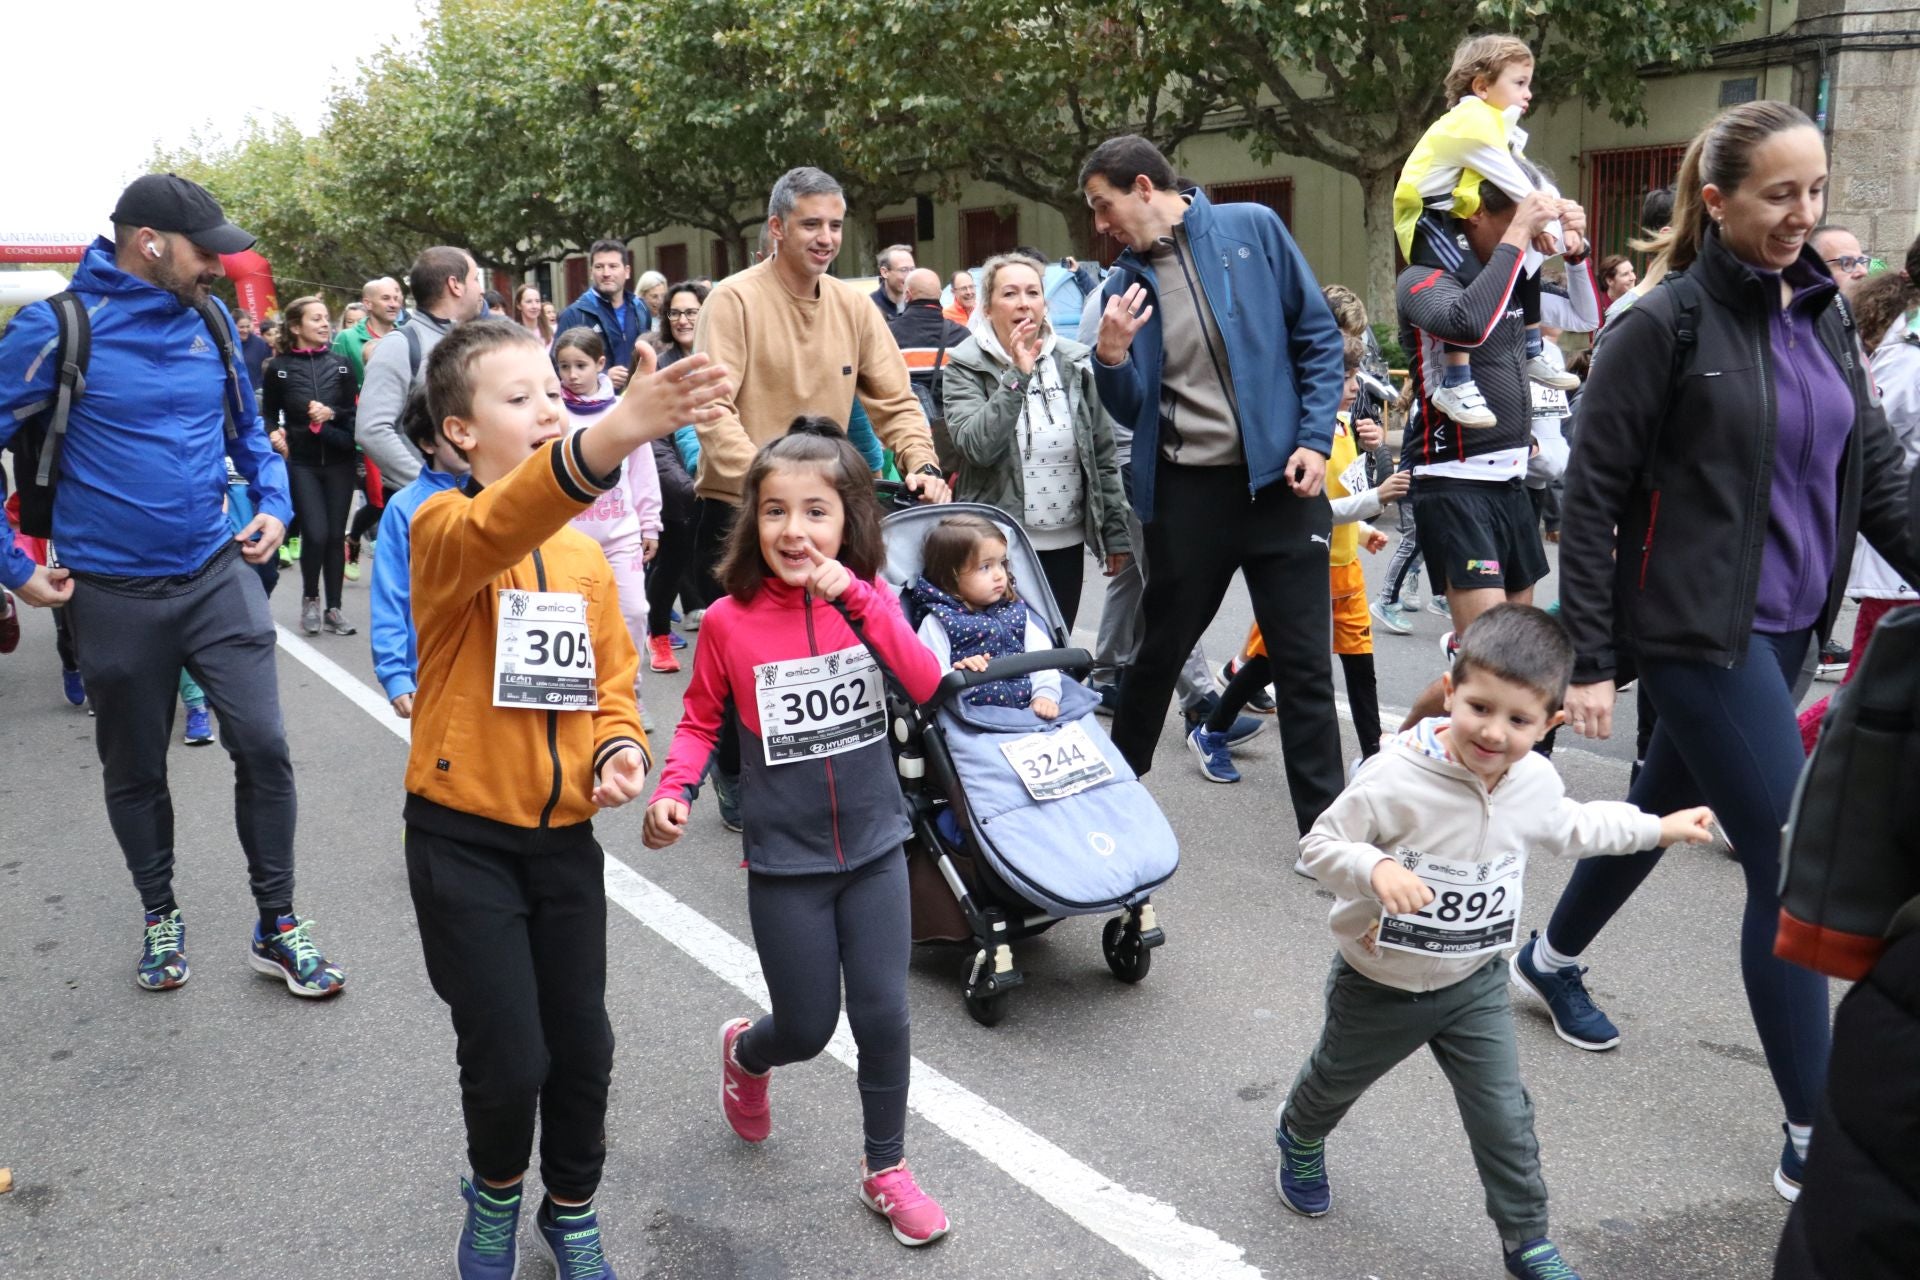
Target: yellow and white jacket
(1475, 140)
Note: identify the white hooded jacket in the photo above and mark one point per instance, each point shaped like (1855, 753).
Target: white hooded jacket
(1411, 797)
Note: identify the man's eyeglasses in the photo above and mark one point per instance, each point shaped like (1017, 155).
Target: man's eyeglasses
(688, 313)
(1852, 262)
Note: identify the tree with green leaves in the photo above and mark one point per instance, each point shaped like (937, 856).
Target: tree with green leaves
(1011, 91)
(1354, 83)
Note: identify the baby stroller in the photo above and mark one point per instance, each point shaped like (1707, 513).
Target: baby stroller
(1019, 822)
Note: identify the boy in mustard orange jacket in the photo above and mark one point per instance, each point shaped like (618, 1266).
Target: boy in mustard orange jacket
(524, 725)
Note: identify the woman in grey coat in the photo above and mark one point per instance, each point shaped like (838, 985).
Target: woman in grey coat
(1026, 419)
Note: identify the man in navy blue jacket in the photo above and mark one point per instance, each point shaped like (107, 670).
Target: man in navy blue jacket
(151, 576)
(1216, 347)
(608, 308)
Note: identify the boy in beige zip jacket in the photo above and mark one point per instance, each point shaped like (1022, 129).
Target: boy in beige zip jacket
(1425, 852)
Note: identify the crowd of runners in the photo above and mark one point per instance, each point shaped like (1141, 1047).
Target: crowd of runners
(674, 473)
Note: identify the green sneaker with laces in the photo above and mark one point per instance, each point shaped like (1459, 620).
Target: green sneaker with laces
(163, 955)
(289, 954)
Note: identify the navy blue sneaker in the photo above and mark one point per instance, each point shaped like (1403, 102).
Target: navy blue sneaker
(675, 640)
(1109, 699)
(571, 1238)
(1242, 728)
(1301, 1178)
(1538, 1260)
(1575, 1019)
(1210, 749)
(74, 688)
(1790, 1172)
(489, 1248)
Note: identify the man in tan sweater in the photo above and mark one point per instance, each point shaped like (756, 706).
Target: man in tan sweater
(801, 341)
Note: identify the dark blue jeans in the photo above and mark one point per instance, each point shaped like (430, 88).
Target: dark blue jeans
(1726, 737)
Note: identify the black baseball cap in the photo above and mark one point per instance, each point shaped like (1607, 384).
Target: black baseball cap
(168, 202)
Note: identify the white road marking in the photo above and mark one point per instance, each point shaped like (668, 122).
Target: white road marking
(1149, 1231)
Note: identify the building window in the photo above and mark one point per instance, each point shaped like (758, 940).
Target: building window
(576, 279)
(1617, 182)
(985, 232)
(1275, 193)
(670, 260)
(1743, 89)
(903, 230)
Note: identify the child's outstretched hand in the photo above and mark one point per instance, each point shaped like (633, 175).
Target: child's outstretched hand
(666, 820)
(1376, 542)
(621, 778)
(1687, 826)
(1044, 707)
(978, 662)
(829, 577)
(1400, 891)
(657, 402)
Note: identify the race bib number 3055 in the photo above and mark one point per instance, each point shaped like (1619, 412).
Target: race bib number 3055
(543, 652)
(819, 706)
(1475, 907)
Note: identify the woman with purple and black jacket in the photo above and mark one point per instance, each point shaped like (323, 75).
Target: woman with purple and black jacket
(1730, 448)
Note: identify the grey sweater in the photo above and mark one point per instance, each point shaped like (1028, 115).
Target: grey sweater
(383, 397)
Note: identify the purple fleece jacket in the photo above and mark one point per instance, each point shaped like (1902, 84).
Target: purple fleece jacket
(1814, 416)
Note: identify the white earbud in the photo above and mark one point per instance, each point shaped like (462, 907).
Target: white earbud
(153, 250)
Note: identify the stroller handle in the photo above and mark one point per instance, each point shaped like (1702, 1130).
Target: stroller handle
(1014, 664)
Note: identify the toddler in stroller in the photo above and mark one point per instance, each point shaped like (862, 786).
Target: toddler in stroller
(1023, 811)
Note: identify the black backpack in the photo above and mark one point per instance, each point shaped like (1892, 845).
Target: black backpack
(43, 424)
(1850, 851)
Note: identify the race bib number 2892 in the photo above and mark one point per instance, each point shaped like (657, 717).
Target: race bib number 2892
(1475, 907)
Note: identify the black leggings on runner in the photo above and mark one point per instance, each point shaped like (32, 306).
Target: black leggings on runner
(811, 931)
(665, 573)
(1363, 696)
(1065, 570)
(321, 496)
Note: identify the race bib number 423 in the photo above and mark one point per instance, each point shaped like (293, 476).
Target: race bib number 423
(821, 705)
(1475, 907)
(543, 652)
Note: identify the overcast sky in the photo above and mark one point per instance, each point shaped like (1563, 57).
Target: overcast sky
(91, 88)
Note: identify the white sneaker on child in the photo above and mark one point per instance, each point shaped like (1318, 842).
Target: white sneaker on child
(1542, 371)
(1465, 405)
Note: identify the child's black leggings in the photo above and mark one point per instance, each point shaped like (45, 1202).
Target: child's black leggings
(811, 931)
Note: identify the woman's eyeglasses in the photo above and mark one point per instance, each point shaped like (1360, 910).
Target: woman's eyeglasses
(688, 314)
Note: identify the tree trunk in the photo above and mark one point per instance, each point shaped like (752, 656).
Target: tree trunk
(740, 249)
(1085, 244)
(859, 244)
(1376, 188)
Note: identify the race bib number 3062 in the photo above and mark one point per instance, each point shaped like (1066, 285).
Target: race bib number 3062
(543, 652)
(821, 705)
(1475, 907)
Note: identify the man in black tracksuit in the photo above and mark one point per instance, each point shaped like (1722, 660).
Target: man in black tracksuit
(925, 336)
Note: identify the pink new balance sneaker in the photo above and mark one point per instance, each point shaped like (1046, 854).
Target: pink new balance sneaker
(892, 1193)
(743, 1095)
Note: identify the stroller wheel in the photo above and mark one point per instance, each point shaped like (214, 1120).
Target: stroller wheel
(987, 1010)
(1127, 955)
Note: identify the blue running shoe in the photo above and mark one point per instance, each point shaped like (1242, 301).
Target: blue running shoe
(1301, 1178)
(1440, 606)
(163, 956)
(489, 1248)
(1791, 1171)
(571, 1238)
(1109, 698)
(676, 640)
(1575, 1019)
(290, 956)
(1539, 1260)
(1210, 749)
(1393, 617)
(199, 727)
(74, 688)
(1242, 728)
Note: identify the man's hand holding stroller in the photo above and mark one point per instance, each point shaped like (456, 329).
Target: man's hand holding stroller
(666, 822)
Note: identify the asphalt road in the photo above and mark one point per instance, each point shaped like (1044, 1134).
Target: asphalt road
(229, 1130)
